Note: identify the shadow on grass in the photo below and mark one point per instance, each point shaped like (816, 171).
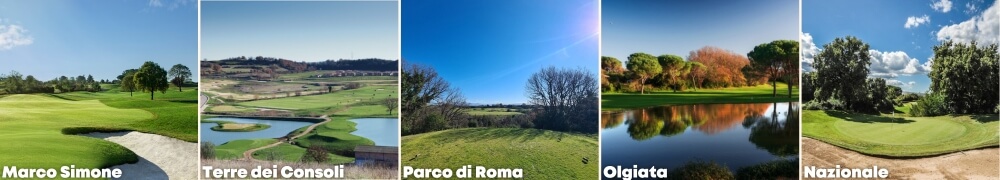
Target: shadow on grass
(485, 134)
(983, 118)
(866, 118)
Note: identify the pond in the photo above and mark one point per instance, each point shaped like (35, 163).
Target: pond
(733, 135)
(279, 128)
(384, 131)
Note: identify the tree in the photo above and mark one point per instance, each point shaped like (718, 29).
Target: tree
(391, 104)
(723, 68)
(151, 78)
(127, 80)
(568, 99)
(179, 75)
(315, 153)
(773, 58)
(425, 94)
(645, 66)
(674, 70)
(840, 67)
(966, 75)
(612, 74)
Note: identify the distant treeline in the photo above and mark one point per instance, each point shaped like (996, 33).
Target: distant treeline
(368, 64)
(559, 99)
(16, 83)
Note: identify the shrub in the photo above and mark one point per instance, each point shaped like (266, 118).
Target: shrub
(207, 150)
(930, 105)
(315, 153)
(434, 122)
(813, 105)
(777, 169)
(701, 170)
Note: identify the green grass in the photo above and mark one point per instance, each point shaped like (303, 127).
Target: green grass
(292, 153)
(31, 131)
(901, 136)
(339, 98)
(239, 127)
(490, 112)
(174, 113)
(334, 135)
(754, 94)
(542, 154)
(234, 149)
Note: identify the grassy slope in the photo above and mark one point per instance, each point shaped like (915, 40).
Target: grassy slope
(539, 152)
(901, 136)
(30, 126)
(174, 113)
(234, 149)
(762, 93)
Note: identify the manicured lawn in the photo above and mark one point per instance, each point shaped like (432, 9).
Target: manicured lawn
(542, 154)
(338, 98)
(175, 114)
(30, 127)
(755, 94)
(234, 149)
(334, 135)
(901, 136)
(292, 153)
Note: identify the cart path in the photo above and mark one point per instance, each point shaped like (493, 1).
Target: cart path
(249, 153)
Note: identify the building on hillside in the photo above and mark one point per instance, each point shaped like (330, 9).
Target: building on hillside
(376, 155)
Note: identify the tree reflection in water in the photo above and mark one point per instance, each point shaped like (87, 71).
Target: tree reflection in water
(775, 131)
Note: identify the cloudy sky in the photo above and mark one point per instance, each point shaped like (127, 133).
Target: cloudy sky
(901, 33)
(51, 38)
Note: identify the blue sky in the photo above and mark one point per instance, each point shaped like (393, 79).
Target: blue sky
(489, 49)
(901, 33)
(300, 30)
(679, 27)
(51, 38)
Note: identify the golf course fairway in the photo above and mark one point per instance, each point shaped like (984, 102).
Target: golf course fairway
(31, 128)
(901, 136)
(542, 154)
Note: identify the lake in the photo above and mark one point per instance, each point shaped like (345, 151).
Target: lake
(733, 135)
(384, 131)
(279, 128)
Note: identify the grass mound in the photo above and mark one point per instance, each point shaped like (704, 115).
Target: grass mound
(33, 128)
(542, 154)
(234, 149)
(901, 136)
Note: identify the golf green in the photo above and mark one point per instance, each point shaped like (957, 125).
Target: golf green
(886, 135)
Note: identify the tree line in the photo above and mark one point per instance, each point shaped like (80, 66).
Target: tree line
(561, 100)
(368, 64)
(148, 78)
(964, 80)
(708, 67)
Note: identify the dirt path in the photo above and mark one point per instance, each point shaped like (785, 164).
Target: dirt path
(972, 164)
(160, 157)
(249, 153)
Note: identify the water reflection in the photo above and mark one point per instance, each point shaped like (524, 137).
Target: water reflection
(733, 134)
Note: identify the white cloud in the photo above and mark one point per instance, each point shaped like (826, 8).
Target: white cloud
(13, 35)
(983, 28)
(942, 6)
(913, 21)
(899, 83)
(971, 8)
(893, 64)
(807, 52)
(169, 4)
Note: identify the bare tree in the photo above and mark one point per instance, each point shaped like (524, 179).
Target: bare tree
(425, 93)
(567, 97)
(391, 104)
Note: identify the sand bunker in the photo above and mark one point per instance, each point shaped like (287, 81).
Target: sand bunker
(160, 157)
(971, 164)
